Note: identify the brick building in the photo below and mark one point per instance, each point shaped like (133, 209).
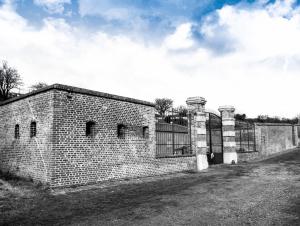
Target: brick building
(62, 136)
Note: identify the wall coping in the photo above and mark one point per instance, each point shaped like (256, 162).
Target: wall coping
(195, 101)
(273, 124)
(226, 108)
(73, 89)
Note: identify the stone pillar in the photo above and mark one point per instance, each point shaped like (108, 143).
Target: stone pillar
(196, 107)
(229, 145)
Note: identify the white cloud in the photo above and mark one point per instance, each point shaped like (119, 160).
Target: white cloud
(52, 6)
(282, 7)
(181, 39)
(259, 75)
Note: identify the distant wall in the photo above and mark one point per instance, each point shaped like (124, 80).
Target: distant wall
(297, 132)
(272, 138)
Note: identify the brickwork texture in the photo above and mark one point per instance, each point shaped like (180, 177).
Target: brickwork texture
(27, 156)
(63, 154)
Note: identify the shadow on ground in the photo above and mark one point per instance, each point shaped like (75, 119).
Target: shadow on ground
(261, 193)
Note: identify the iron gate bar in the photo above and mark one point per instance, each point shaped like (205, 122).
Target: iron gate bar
(190, 129)
(248, 136)
(167, 131)
(214, 138)
(222, 141)
(240, 139)
(254, 138)
(173, 135)
(210, 138)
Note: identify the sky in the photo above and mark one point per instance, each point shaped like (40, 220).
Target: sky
(240, 53)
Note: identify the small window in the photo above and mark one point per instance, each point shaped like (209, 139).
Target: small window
(17, 131)
(33, 129)
(146, 132)
(121, 131)
(90, 130)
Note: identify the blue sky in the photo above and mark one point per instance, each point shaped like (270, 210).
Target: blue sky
(144, 17)
(149, 20)
(244, 53)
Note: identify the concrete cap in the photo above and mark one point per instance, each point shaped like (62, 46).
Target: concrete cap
(226, 108)
(195, 100)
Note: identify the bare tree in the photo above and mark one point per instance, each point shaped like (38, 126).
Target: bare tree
(37, 86)
(9, 80)
(240, 117)
(162, 105)
(182, 111)
(298, 118)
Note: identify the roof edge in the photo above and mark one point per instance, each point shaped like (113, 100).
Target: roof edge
(73, 89)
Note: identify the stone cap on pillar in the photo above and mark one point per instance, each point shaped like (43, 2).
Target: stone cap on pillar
(196, 104)
(195, 101)
(227, 108)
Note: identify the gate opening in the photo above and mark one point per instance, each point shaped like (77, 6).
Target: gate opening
(214, 138)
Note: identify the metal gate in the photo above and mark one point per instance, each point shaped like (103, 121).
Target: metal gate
(245, 136)
(298, 134)
(214, 138)
(173, 135)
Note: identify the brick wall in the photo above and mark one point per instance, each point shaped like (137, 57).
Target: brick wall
(26, 156)
(62, 154)
(80, 159)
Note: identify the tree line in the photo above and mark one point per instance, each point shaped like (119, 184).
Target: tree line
(11, 81)
(164, 105)
(266, 119)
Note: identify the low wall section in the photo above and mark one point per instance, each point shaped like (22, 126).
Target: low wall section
(272, 138)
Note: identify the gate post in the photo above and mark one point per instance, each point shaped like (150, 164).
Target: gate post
(297, 132)
(229, 145)
(196, 108)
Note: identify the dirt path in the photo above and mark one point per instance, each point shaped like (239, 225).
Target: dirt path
(263, 193)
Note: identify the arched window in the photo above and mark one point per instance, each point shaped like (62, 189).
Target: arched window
(17, 131)
(121, 131)
(33, 129)
(90, 130)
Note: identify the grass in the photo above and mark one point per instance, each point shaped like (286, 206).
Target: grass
(261, 193)
(8, 176)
